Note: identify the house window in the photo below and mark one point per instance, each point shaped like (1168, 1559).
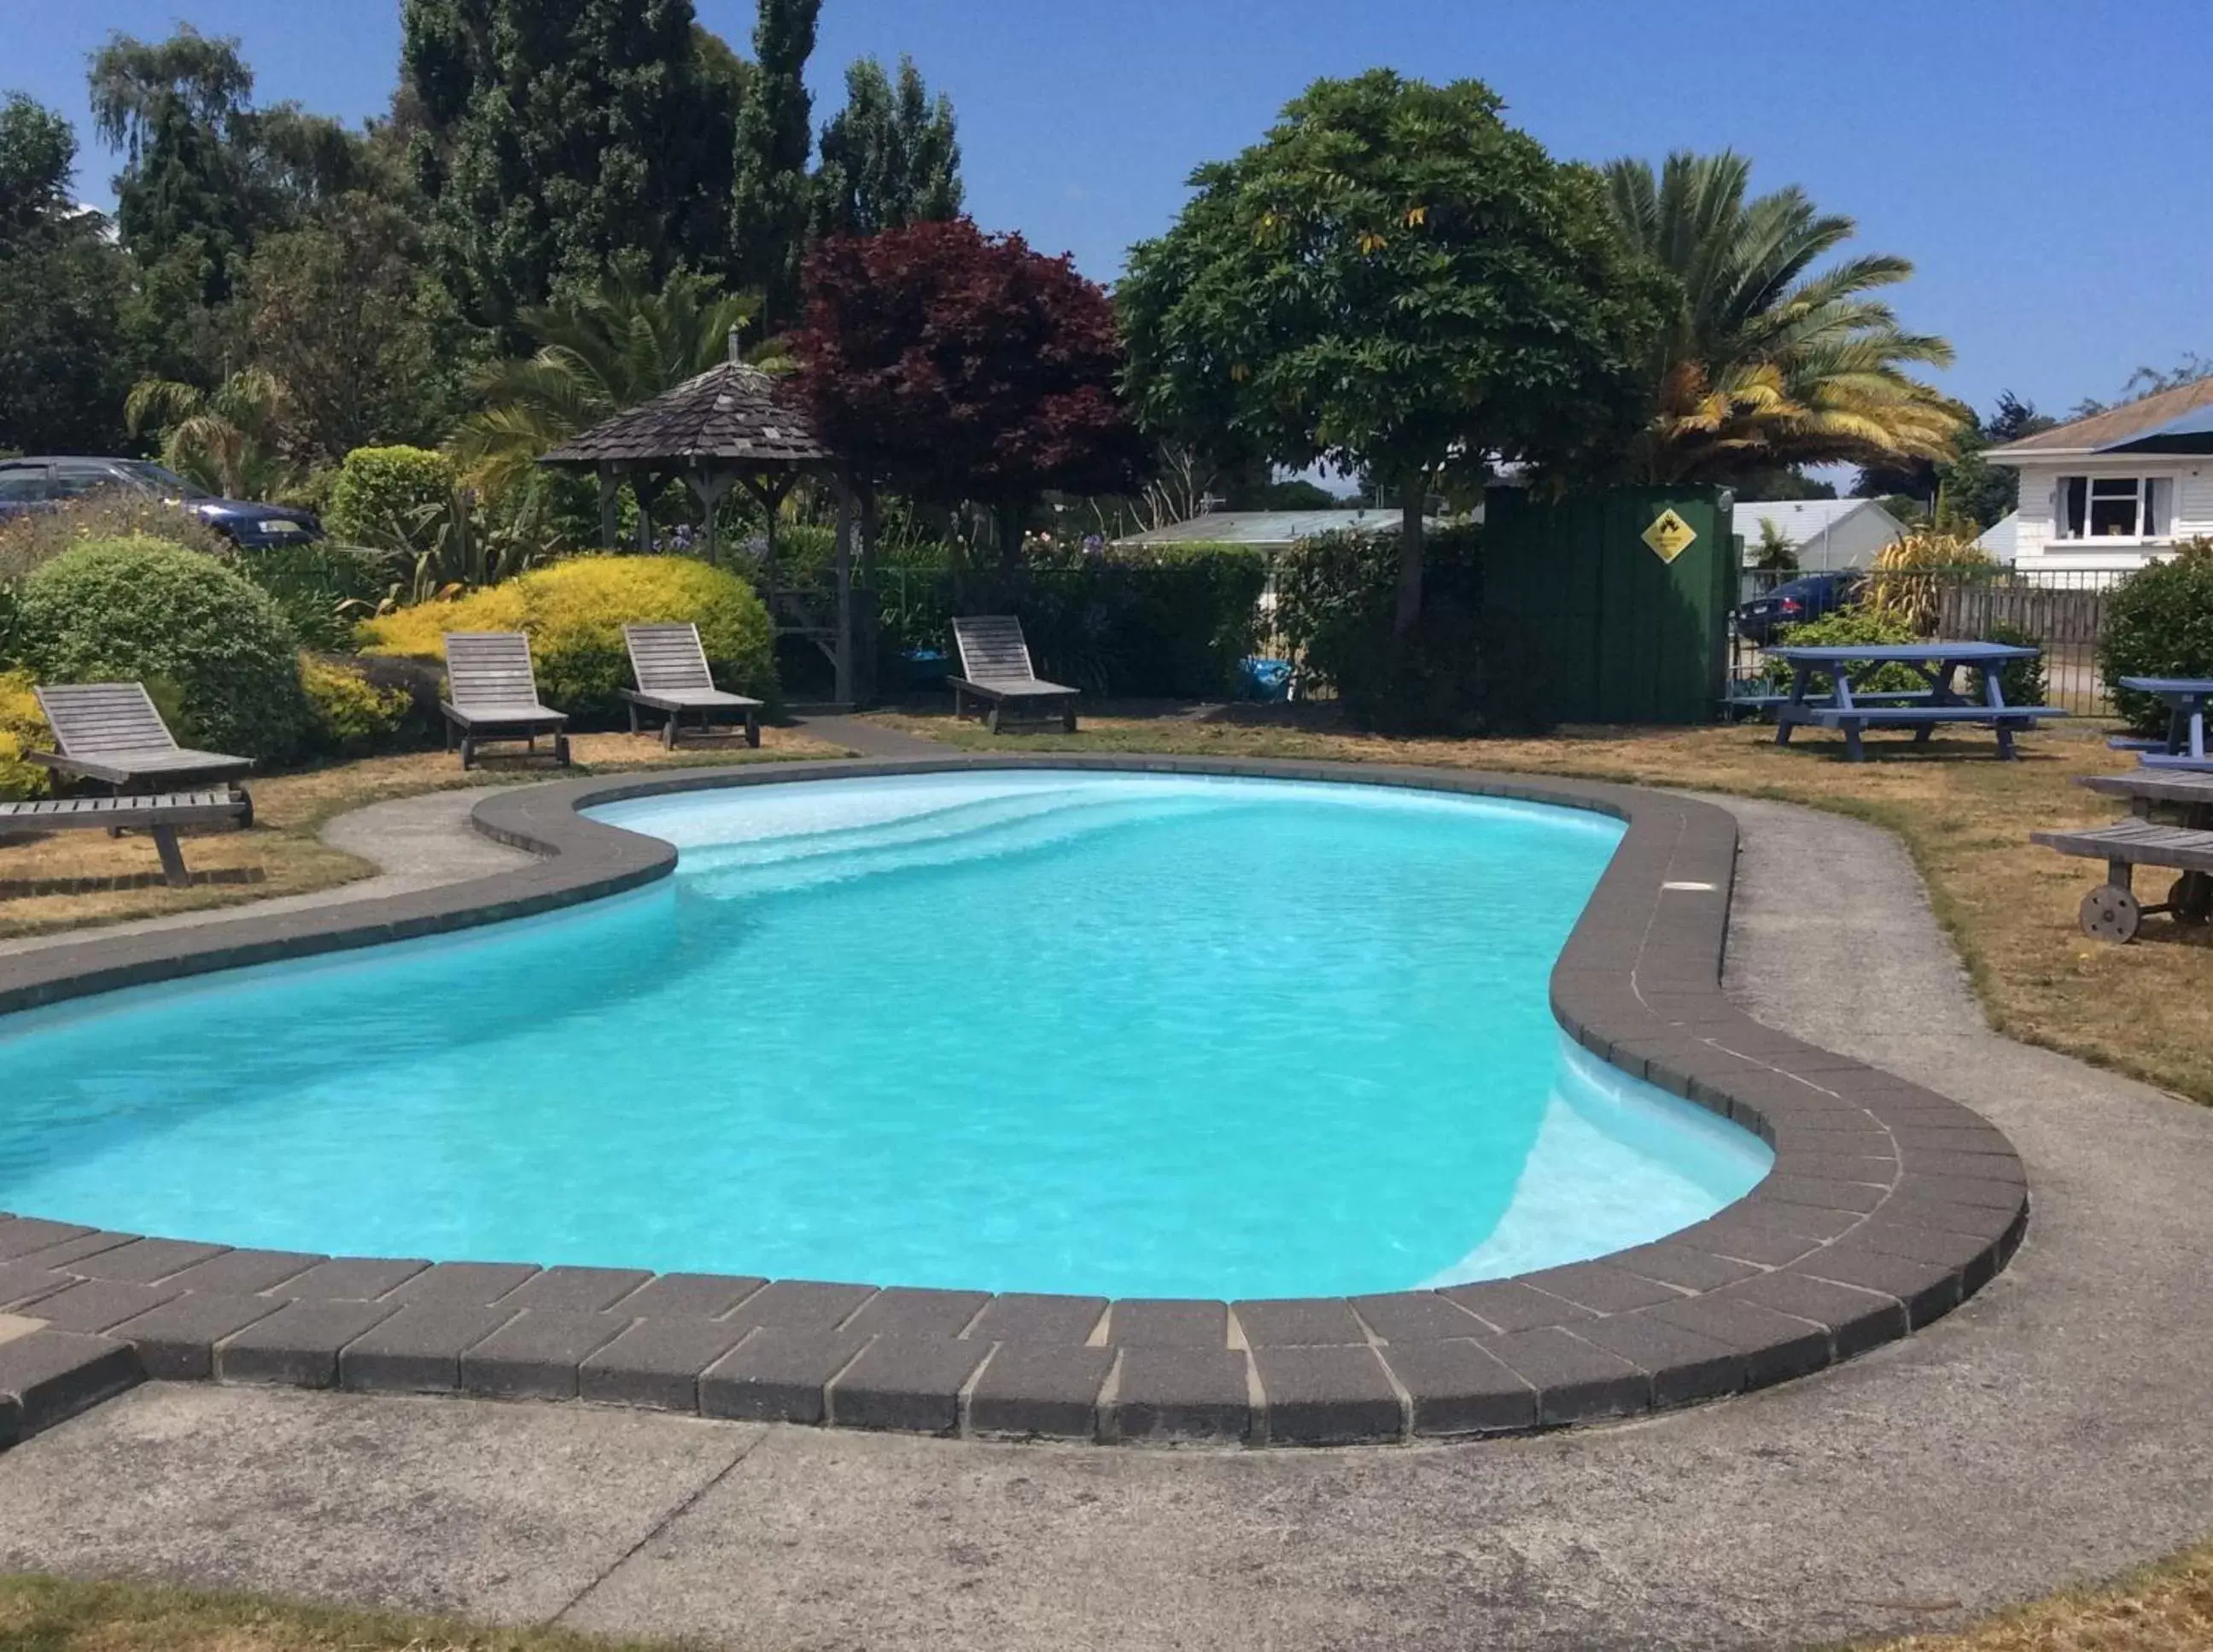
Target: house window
(2115, 507)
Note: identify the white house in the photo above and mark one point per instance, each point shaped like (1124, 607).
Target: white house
(2109, 493)
(1827, 533)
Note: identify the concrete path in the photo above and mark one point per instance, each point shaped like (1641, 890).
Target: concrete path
(2050, 1430)
(417, 842)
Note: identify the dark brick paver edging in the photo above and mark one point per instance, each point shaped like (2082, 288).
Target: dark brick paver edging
(1889, 1204)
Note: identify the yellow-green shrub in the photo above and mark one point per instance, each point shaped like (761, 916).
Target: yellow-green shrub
(22, 728)
(575, 611)
(347, 714)
(419, 632)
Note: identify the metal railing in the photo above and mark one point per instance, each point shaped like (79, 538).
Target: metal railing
(2060, 612)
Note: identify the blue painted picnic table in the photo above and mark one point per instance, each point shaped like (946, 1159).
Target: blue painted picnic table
(1939, 700)
(2185, 745)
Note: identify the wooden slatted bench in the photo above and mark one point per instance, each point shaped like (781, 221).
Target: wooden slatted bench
(996, 670)
(159, 815)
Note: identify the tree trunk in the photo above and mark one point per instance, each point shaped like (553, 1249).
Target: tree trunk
(1412, 499)
(1012, 514)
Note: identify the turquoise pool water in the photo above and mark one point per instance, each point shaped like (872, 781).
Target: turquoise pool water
(1129, 1034)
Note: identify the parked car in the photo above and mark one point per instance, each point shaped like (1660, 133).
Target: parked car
(40, 482)
(1795, 601)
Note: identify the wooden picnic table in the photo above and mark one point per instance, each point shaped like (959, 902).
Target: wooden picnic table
(2183, 841)
(2185, 745)
(1938, 701)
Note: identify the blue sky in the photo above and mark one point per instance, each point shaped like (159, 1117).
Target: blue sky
(2045, 162)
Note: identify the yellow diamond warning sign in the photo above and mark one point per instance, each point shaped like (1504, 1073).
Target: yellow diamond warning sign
(1669, 536)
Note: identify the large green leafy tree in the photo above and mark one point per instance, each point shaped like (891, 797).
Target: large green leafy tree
(1395, 282)
(889, 157)
(205, 176)
(772, 191)
(180, 111)
(337, 314)
(1966, 487)
(562, 139)
(1766, 359)
(61, 289)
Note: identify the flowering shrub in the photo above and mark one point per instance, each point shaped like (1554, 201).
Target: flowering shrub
(23, 728)
(347, 714)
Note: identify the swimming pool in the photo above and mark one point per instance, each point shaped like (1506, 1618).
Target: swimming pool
(1031, 1030)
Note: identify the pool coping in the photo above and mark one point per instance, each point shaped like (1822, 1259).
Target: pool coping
(1889, 1204)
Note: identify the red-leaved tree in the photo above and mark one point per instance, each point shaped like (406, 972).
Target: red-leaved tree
(952, 366)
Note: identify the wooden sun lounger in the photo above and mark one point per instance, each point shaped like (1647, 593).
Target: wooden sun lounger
(996, 670)
(492, 694)
(671, 666)
(159, 815)
(112, 733)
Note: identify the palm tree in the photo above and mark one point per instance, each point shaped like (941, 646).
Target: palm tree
(598, 354)
(1763, 363)
(225, 440)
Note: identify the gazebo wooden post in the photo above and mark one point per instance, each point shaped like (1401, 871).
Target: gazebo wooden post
(610, 515)
(845, 673)
(709, 486)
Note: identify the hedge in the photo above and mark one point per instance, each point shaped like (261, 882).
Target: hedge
(1337, 597)
(2159, 623)
(378, 491)
(574, 612)
(210, 644)
(1170, 622)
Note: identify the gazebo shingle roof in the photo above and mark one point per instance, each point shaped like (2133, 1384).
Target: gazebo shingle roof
(733, 413)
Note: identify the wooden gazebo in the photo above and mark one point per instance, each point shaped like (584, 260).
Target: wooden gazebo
(734, 424)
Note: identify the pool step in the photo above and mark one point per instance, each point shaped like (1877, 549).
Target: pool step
(48, 1376)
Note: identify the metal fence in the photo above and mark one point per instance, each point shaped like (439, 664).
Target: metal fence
(2061, 612)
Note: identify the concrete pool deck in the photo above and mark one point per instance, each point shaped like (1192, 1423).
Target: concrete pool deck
(2049, 1430)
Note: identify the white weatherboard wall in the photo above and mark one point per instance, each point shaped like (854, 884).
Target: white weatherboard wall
(2039, 540)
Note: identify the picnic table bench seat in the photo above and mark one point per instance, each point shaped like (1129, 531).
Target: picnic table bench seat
(158, 814)
(2113, 910)
(491, 690)
(996, 670)
(670, 664)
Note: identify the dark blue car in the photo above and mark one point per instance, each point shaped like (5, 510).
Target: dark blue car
(1795, 601)
(41, 482)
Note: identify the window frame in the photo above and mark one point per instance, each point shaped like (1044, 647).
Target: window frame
(2145, 489)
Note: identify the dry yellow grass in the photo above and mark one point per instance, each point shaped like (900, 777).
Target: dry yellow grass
(281, 855)
(1965, 816)
(2164, 1608)
(52, 1614)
